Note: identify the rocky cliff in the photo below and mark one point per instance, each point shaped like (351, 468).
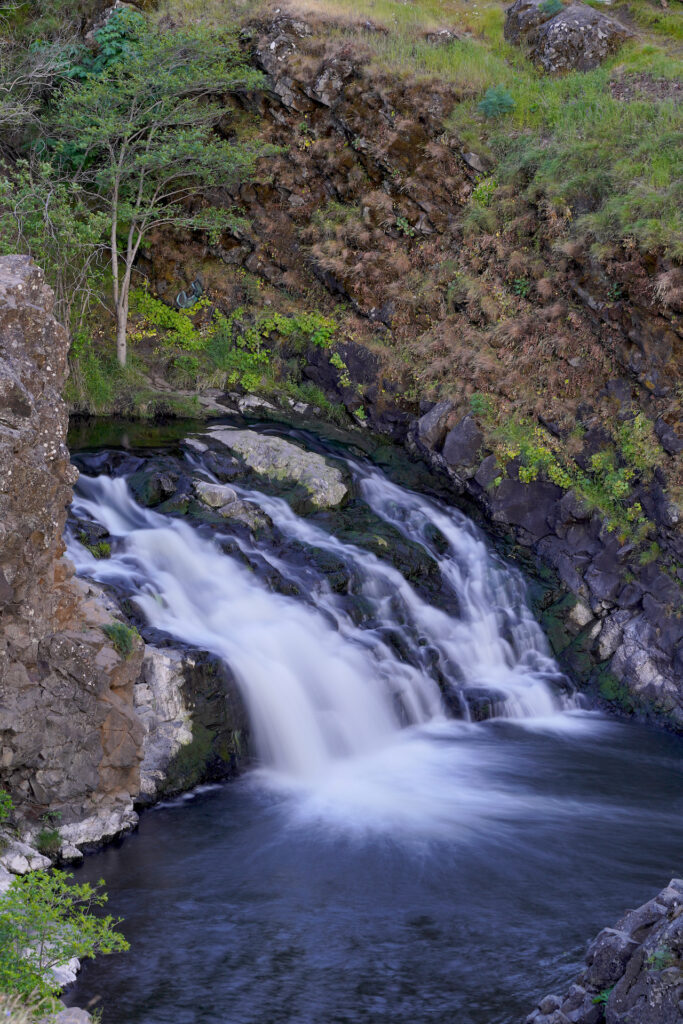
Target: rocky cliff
(70, 741)
(634, 971)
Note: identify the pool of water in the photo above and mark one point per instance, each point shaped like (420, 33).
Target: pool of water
(242, 908)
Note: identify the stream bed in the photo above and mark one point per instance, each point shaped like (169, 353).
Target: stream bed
(434, 825)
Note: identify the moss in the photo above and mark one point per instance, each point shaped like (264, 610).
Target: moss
(123, 637)
(189, 766)
(614, 691)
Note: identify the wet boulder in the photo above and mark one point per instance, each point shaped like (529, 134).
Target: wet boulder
(463, 445)
(312, 480)
(634, 971)
(214, 495)
(576, 39)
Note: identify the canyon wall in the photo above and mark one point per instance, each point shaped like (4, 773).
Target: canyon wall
(366, 212)
(70, 741)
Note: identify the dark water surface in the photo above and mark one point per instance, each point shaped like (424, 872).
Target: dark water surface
(238, 913)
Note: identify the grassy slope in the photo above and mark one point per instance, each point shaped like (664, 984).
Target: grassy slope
(568, 137)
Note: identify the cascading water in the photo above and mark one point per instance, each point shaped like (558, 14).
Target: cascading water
(393, 859)
(334, 709)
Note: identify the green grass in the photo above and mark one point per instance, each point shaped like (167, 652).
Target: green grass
(123, 637)
(567, 141)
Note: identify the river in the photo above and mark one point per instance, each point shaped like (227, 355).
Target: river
(390, 857)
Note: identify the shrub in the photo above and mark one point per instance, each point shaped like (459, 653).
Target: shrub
(123, 637)
(6, 807)
(483, 191)
(521, 286)
(49, 842)
(45, 921)
(496, 102)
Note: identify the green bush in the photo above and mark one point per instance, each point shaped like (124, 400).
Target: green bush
(45, 921)
(49, 842)
(497, 101)
(123, 637)
(6, 807)
(483, 191)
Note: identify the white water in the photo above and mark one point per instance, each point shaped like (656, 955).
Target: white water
(337, 717)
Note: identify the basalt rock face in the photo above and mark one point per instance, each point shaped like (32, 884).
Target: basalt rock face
(69, 737)
(634, 971)
(613, 623)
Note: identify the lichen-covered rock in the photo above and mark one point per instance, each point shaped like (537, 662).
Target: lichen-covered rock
(576, 39)
(634, 971)
(282, 462)
(69, 737)
(523, 19)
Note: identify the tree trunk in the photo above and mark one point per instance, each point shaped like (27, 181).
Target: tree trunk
(121, 325)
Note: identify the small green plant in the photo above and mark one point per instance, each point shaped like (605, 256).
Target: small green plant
(481, 405)
(49, 842)
(123, 637)
(603, 996)
(100, 549)
(6, 807)
(404, 226)
(483, 191)
(660, 958)
(45, 921)
(521, 287)
(497, 101)
(551, 7)
(614, 292)
(339, 364)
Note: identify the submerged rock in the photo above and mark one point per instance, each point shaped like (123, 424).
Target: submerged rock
(283, 462)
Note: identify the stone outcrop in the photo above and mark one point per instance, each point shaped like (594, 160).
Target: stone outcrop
(70, 741)
(634, 971)
(322, 484)
(196, 728)
(577, 38)
(612, 624)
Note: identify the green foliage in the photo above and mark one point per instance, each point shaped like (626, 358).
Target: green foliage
(45, 921)
(6, 807)
(50, 217)
(339, 364)
(123, 637)
(521, 287)
(605, 487)
(660, 959)
(638, 443)
(483, 191)
(481, 405)
(116, 40)
(178, 325)
(101, 549)
(139, 136)
(497, 101)
(603, 996)
(49, 842)
(404, 227)
(551, 7)
(237, 344)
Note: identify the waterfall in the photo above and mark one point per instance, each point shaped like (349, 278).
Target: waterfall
(338, 703)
